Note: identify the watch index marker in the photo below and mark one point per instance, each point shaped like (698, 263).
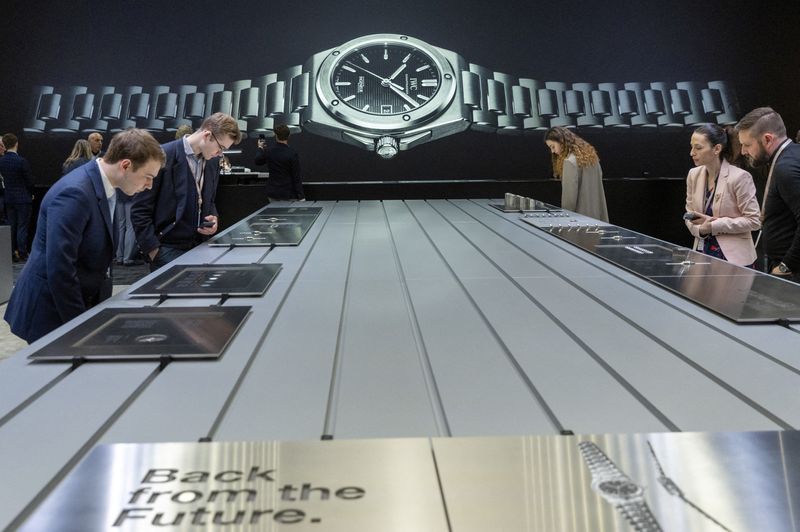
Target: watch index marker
(423, 67)
(430, 82)
(348, 98)
(342, 83)
(365, 58)
(396, 72)
(348, 68)
(423, 97)
(365, 108)
(406, 58)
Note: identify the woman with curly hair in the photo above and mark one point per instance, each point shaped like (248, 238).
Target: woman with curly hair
(576, 164)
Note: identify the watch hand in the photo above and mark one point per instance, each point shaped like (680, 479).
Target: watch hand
(396, 72)
(365, 70)
(405, 96)
(384, 81)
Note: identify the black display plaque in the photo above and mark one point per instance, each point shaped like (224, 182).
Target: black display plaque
(741, 294)
(277, 226)
(148, 333)
(204, 280)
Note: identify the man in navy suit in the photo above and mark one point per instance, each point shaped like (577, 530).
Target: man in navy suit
(284, 181)
(18, 182)
(67, 271)
(179, 211)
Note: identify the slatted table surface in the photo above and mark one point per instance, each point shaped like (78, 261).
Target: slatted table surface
(410, 319)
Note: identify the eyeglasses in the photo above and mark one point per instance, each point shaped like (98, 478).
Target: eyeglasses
(221, 147)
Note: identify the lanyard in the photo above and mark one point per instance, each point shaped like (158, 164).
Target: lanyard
(769, 176)
(199, 168)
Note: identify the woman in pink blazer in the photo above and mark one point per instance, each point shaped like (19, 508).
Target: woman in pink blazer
(723, 200)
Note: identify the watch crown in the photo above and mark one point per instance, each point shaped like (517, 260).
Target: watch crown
(386, 147)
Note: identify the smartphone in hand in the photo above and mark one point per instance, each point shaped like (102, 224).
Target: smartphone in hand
(206, 223)
(691, 215)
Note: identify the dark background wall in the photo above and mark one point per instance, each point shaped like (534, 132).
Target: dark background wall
(169, 42)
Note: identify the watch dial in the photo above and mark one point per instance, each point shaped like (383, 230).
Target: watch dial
(385, 79)
(620, 488)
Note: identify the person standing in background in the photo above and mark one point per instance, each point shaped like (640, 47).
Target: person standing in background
(96, 144)
(16, 172)
(283, 162)
(576, 164)
(81, 154)
(3, 220)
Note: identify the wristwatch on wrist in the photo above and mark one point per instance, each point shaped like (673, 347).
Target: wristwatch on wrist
(387, 93)
(618, 489)
(784, 269)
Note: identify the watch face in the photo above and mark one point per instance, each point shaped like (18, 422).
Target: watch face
(385, 84)
(386, 79)
(619, 489)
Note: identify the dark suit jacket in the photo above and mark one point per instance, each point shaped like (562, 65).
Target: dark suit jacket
(80, 161)
(17, 177)
(284, 171)
(781, 228)
(72, 251)
(167, 213)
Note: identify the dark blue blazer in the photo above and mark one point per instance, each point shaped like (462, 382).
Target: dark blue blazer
(284, 181)
(167, 213)
(16, 172)
(67, 269)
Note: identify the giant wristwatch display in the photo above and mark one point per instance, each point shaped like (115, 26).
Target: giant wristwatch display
(618, 489)
(386, 93)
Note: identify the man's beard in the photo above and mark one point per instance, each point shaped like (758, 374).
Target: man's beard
(762, 159)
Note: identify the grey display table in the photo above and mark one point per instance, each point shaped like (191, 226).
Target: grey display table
(410, 319)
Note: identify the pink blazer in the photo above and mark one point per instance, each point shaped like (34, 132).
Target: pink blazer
(735, 207)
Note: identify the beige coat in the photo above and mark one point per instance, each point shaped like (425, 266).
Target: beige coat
(582, 189)
(735, 207)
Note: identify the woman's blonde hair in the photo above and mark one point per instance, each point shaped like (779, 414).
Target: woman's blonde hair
(81, 149)
(571, 143)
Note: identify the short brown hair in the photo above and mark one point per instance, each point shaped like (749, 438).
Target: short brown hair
(220, 124)
(9, 140)
(135, 144)
(281, 132)
(762, 120)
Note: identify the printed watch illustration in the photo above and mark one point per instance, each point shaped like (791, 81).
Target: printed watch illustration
(618, 489)
(386, 93)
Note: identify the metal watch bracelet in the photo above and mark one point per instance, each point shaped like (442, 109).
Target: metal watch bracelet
(497, 102)
(632, 507)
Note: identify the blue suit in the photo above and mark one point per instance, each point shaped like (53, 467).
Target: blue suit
(67, 271)
(166, 215)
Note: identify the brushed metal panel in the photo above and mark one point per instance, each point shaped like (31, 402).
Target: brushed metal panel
(386, 485)
(641, 482)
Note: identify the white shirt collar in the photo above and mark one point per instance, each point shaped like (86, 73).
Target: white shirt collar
(188, 149)
(107, 186)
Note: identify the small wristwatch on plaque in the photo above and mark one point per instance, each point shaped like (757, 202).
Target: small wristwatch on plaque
(387, 93)
(618, 489)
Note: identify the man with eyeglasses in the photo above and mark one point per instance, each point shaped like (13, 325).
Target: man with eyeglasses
(179, 211)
